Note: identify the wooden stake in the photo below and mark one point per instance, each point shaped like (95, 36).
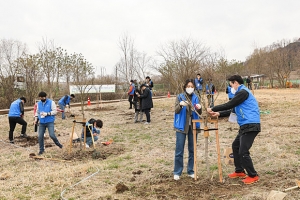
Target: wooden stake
(218, 152)
(195, 150)
(71, 137)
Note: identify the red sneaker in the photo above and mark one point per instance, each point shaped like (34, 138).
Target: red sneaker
(237, 175)
(250, 180)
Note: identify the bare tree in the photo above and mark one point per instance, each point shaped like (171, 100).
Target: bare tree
(181, 60)
(10, 50)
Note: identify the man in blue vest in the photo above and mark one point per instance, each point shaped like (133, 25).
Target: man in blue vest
(46, 111)
(248, 118)
(63, 102)
(198, 83)
(15, 116)
(130, 93)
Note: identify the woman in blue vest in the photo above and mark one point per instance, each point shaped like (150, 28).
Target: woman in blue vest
(185, 111)
(16, 116)
(46, 111)
(63, 102)
(248, 118)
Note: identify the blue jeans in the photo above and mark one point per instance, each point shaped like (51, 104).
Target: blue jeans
(62, 107)
(89, 140)
(179, 151)
(42, 130)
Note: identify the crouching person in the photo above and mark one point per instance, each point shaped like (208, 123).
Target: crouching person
(46, 111)
(92, 129)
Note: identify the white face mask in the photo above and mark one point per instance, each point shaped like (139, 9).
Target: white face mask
(233, 91)
(189, 90)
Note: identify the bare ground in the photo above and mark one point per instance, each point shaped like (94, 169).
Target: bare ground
(139, 163)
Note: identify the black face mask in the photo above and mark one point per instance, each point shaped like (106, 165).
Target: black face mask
(43, 100)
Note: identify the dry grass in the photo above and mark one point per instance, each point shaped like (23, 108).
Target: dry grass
(141, 157)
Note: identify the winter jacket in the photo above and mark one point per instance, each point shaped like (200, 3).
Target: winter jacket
(146, 98)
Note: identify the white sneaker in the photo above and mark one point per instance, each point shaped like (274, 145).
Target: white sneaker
(176, 177)
(191, 175)
(87, 146)
(147, 123)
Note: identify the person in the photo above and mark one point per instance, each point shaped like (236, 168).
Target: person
(210, 91)
(249, 84)
(198, 83)
(131, 93)
(149, 83)
(34, 114)
(187, 107)
(138, 115)
(92, 127)
(16, 116)
(63, 102)
(147, 103)
(248, 118)
(45, 112)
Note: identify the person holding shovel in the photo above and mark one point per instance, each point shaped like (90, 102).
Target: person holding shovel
(92, 128)
(45, 112)
(248, 118)
(187, 107)
(63, 102)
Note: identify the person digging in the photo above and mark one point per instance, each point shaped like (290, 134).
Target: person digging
(248, 118)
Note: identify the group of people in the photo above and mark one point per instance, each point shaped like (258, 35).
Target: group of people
(45, 111)
(245, 106)
(210, 89)
(141, 99)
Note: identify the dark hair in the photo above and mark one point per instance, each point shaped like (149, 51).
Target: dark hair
(187, 82)
(42, 94)
(199, 74)
(72, 95)
(131, 81)
(236, 78)
(147, 77)
(24, 99)
(99, 123)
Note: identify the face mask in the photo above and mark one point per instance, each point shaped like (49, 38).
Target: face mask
(43, 100)
(233, 91)
(189, 90)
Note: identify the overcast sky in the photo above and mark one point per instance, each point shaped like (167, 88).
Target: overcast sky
(94, 27)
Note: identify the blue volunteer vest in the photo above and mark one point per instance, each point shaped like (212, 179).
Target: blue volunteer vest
(248, 111)
(179, 119)
(14, 110)
(45, 107)
(64, 102)
(133, 89)
(198, 83)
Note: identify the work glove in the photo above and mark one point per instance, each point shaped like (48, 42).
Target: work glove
(183, 103)
(198, 106)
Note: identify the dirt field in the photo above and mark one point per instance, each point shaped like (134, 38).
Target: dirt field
(139, 163)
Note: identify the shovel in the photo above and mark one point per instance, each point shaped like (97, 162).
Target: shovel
(295, 187)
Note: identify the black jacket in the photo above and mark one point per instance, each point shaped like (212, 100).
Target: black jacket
(146, 99)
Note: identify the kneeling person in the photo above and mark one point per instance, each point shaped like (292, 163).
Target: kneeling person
(92, 128)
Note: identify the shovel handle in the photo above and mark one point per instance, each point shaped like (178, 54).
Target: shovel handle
(291, 188)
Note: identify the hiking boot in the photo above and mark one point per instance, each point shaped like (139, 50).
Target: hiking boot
(24, 135)
(11, 141)
(41, 152)
(176, 177)
(237, 175)
(250, 180)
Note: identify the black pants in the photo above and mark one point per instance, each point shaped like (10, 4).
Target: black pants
(147, 113)
(241, 154)
(13, 121)
(130, 98)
